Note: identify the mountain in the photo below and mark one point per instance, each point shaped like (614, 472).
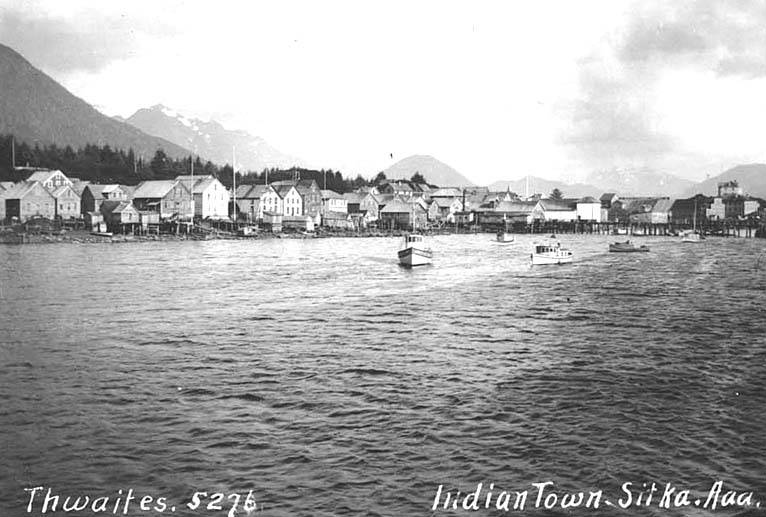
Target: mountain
(35, 108)
(211, 140)
(434, 171)
(639, 182)
(751, 177)
(543, 186)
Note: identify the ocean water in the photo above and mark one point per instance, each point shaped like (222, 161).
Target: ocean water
(327, 380)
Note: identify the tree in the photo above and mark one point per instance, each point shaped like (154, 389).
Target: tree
(380, 178)
(418, 178)
(557, 194)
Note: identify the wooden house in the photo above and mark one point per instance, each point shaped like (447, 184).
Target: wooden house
(95, 194)
(27, 200)
(67, 202)
(49, 179)
(399, 214)
(171, 199)
(291, 200)
(211, 199)
(120, 216)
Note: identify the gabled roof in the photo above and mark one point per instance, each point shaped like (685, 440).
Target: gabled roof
(201, 183)
(397, 206)
(43, 175)
(353, 197)
(608, 196)
(154, 189)
(58, 191)
(662, 205)
(79, 186)
(21, 189)
(331, 194)
(282, 188)
(447, 192)
(553, 205)
(516, 206)
(5, 185)
(443, 202)
(98, 190)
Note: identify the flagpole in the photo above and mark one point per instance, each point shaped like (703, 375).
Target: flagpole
(234, 182)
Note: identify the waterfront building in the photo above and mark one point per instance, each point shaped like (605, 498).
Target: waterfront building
(94, 194)
(120, 215)
(311, 198)
(333, 202)
(353, 202)
(254, 200)
(400, 214)
(608, 199)
(729, 189)
(27, 200)
(340, 220)
(291, 200)
(589, 209)
(559, 210)
(170, 199)
(67, 202)
(717, 210)
(211, 199)
(443, 209)
(683, 210)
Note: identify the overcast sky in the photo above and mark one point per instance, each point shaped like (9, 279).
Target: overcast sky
(498, 89)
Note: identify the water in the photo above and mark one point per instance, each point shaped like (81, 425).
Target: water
(330, 381)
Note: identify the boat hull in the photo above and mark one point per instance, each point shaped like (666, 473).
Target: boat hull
(411, 257)
(551, 260)
(505, 238)
(627, 249)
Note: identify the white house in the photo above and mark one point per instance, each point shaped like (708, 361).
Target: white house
(559, 210)
(291, 200)
(50, 179)
(333, 202)
(211, 199)
(254, 200)
(589, 209)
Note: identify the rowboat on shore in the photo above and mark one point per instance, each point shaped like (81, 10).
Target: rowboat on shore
(627, 247)
(414, 252)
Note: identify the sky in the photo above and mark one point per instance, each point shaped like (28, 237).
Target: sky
(496, 89)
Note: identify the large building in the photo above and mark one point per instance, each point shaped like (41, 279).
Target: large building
(211, 199)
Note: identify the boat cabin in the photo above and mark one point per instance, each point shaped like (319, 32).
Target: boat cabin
(412, 239)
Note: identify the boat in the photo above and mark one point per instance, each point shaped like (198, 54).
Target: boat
(102, 234)
(627, 247)
(414, 252)
(547, 253)
(692, 235)
(504, 238)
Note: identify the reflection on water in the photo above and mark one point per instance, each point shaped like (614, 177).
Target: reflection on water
(331, 381)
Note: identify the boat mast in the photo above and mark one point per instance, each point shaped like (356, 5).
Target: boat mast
(191, 160)
(234, 182)
(13, 152)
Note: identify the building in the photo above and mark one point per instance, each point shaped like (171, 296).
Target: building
(311, 198)
(340, 220)
(509, 212)
(120, 216)
(211, 199)
(729, 189)
(370, 206)
(691, 210)
(444, 209)
(608, 199)
(93, 195)
(303, 223)
(559, 210)
(354, 202)
(333, 202)
(168, 198)
(67, 202)
(589, 209)
(49, 179)
(291, 199)
(398, 214)
(717, 209)
(27, 200)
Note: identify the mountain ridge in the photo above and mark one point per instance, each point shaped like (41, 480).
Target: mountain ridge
(211, 140)
(434, 171)
(37, 109)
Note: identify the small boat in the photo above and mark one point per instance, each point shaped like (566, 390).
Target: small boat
(627, 247)
(505, 238)
(692, 236)
(102, 234)
(547, 253)
(414, 252)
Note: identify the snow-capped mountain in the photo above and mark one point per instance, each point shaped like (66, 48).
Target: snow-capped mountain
(211, 140)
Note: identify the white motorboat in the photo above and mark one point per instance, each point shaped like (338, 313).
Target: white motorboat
(414, 252)
(505, 238)
(547, 253)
